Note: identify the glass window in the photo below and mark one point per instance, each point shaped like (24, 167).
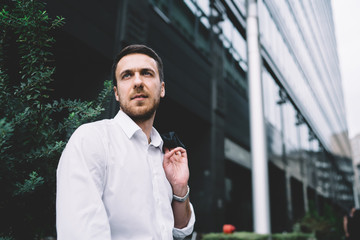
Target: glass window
(204, 5)
(233, 41)
(241, 5)
(289, 38)
(270, 98)
(290, 131)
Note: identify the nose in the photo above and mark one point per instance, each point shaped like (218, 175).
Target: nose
(138, 80)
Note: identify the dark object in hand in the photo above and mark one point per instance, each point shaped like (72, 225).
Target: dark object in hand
(171, 140)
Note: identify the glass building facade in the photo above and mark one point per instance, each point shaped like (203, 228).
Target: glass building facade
(204, 49)
(299, 45)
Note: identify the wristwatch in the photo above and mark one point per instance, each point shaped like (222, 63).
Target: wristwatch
(182, 199)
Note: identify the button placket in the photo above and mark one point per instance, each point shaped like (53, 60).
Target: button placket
(156, 176)
(151, 158)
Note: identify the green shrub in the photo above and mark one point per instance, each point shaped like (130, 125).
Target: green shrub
(6, 238)
(235, 236)
(254, 236)
(326, 227)
(33, 128)
(293, 236)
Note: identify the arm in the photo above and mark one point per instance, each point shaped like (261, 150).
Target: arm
(80, 211)
(345, 222)
(177, 172)
(182, 213)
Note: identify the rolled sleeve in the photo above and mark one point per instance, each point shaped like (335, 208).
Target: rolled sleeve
(186, 231)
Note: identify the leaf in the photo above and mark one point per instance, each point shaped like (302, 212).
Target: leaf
(34, 127)
(30, 184)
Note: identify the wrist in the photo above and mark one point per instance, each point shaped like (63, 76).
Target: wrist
(180, 189)
(182, 198)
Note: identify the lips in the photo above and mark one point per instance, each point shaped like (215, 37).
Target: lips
(139, 96)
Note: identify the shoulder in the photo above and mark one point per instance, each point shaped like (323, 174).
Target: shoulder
(89, 140)
(92, 135)
(92, 129)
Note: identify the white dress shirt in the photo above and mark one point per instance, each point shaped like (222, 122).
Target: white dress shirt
(111, 185)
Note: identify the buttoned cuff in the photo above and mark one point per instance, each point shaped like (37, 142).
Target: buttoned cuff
(186, 231)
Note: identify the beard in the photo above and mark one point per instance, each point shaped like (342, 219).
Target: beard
(141, 112)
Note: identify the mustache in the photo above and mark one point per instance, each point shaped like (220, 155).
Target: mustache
(139, 92)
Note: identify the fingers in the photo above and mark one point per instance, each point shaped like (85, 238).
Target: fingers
(179, 151)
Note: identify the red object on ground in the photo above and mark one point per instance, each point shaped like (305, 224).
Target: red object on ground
(228, 228)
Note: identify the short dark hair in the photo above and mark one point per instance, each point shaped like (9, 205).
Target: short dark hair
(142, 49)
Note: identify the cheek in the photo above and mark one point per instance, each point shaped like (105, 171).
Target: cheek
(119, 94)
(122, 90)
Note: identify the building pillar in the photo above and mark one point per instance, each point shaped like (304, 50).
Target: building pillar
(356, 185)
(288, 197)
(260, 178)
(289, 209)
(305, 186)
(218, 109)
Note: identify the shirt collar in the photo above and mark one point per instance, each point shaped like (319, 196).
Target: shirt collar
(130, 128)
(156, 139)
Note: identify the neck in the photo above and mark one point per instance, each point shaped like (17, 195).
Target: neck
(146, 126)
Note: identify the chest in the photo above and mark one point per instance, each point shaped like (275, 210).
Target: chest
(136, 170)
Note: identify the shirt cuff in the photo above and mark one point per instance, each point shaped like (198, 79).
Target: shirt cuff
(186, 231)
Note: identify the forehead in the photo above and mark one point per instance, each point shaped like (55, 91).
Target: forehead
(136, 61)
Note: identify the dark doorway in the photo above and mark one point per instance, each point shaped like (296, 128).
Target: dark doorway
(238, 195)
(278, 205)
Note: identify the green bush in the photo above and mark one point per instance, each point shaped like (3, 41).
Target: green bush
(293, 236)
(234, 236)
(254, 236)
(325, 227)
(33, 127)
(6, 238)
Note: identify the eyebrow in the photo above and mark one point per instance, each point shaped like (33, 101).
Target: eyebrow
(125, 72)
(136, 70)
(147, 69)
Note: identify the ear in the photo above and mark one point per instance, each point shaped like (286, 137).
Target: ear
(162, 93)
(116, 94)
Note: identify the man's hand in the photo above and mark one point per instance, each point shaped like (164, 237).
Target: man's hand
(176, 169)
(177, 172)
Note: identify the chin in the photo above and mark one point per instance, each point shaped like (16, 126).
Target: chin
(140, 114)
(141, 117)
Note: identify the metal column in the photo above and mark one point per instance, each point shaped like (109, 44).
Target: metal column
(355, 186)
(260, 176)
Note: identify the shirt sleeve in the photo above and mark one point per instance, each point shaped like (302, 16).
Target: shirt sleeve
(80, 212)
(179, 234)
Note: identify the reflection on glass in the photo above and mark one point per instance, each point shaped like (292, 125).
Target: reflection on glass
(311, 79)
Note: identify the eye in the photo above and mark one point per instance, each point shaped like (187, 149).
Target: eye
(126, 75)
(147, 73)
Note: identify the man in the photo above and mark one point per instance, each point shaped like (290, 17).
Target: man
(353, 222)
(113, 179)
(346, 222)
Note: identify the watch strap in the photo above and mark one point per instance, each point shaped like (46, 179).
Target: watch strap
(182, 199)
